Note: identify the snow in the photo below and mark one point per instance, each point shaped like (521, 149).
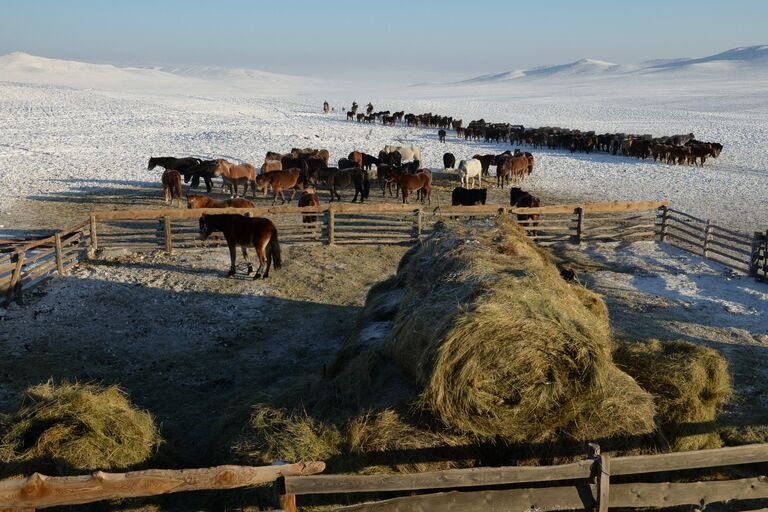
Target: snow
(73, 128)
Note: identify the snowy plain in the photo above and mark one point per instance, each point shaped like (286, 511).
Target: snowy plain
(76, 128)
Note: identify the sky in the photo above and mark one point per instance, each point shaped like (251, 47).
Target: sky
(338, 38)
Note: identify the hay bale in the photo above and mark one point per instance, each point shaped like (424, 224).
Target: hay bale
(274, 434)
(500, 346)
(690, 384)
(77, 427)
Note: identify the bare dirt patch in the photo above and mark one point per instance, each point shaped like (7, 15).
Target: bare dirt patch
(186, 343)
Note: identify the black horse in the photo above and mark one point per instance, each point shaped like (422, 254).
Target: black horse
(185, 166)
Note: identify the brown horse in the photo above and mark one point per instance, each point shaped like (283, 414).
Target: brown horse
(415, 182)
(271, 165)
(171, 186)
(345, 178)
(200, 201)
(356, 157)
(280, 180)
(309, 198)
(517, 166)
(258, 232)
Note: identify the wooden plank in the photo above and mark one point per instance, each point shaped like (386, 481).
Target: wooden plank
(13, 282)
(94, 236)
(736, 250)
(695, 234)
(543, 500)
(603, 483)
(737, 235)
(693, 493)
(745, 242)
(629, 228)
(639, 464)
(615, 206)
(447, 479)
(168, 235)
(42, 254)
(678, 212)
(41, 491)
(76, 227)
(48, 241)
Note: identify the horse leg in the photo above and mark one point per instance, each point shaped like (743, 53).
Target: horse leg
(232, 257)
(260, 246)
(245, 257)
(208, 184)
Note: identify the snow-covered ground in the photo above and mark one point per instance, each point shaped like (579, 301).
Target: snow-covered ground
(75, 128)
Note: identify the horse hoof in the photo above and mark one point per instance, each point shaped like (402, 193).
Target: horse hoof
(256, 276)
(250, 269)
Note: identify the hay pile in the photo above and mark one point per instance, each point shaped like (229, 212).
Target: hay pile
(277, 435)
(76, 427)
(501, 347)
(690, 384)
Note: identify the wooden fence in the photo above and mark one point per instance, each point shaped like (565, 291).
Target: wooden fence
(585, 485)
(740, 251)
(345, 224)
(596, 483)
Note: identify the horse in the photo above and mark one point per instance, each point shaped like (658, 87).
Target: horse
(280, 180)
(171, 186)
(177, 164)
(518, 198)
(406, 152)
(390, 158)
(258, 232)
(468, 196)
(343, 178)
(441, 135)
(449, 161)
(385, 176)
(309, 198)
(206, 169)
(357, 157)
(201, 201)
(414, 182)
(271, 165)
(234, 174)
(514, 166)
(470, 169)
(369, 161)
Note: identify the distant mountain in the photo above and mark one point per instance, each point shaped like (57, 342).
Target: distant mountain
(25, 68)
(744, 58)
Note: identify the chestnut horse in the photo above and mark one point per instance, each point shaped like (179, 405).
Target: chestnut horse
(258, 232)
(201, 201)
(309, 198)
(234, 174)
(171, 186)
(280, 180)
(517, 166)
(421, 181)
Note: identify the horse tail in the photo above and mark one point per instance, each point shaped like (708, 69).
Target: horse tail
(274, 247)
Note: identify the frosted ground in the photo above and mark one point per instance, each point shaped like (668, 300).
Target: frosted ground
(73, 130)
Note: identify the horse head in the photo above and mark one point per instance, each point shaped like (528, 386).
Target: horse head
(152, 164)
(205, 228)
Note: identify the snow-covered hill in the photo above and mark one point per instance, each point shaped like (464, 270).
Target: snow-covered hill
(749, 59)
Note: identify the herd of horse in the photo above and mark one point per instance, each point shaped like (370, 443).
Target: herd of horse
(672, 149)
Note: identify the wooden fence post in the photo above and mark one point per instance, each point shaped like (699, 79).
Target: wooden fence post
(754, 258)
(283, 501)
(600, 475)
(59, 255)
(330, 221)
(418, 223)
(168, 235)
(14, 286)
(707, 236)
(664, 223)
(94, 238)
(579, 224)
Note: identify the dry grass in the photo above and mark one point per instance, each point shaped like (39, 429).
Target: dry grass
(77, 427)
(277, 435)
(690, 384)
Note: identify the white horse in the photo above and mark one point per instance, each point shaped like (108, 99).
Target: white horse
(407, 152)
(470, 169)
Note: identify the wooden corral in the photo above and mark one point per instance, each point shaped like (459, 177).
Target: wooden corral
(27, 264)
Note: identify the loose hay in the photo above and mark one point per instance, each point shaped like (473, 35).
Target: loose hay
(502, 347)
(77, 427)
(276, 435)
(690, 383)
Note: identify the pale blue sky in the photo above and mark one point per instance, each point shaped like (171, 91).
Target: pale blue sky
(340, 37)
